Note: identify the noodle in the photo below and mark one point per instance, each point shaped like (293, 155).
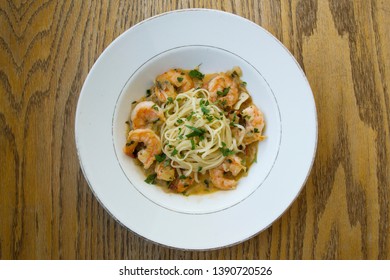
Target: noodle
(195, 133)
(192, 114)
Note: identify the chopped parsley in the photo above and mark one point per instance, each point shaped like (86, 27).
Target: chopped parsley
(256, 130)
(161, 157)
(209, 118)
(195, 131)
(148, 93)
(196, 74)
(243, 84)
(169, 100)
(192, 144)
(225, 151)
(174, 152)
(179, 79)
(224, 92)
(155, 107)
(190, 116)
(202, 102)
(204, 109)
(179, 121)
(223, 103)
(182, 177)
(151, 178)
(200, 168)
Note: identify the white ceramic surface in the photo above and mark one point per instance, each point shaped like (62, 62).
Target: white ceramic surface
(275, 81)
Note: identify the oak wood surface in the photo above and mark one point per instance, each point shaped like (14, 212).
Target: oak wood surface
(47, 210)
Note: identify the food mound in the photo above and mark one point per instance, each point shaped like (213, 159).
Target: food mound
(194, 133)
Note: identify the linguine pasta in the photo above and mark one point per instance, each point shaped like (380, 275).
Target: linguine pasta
(194, 133)
(192, 114)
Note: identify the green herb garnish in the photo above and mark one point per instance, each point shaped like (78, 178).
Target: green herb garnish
(256, 130)
(204, 109)
(179, 121)
(200, 168)
(169, 100)
(190, 116)
(209, 118)
(174, 152)
(196, 74)
(225, 151)
(151, 178)
(192, 144)
(195, 131)
(182, 177)
(224, 92)
(161, 157)
(179, 79)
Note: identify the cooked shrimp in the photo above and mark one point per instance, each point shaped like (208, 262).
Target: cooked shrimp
(165, 171)
(254, 124)
(231, 164)
(181, 184)
(149, 139)
(224, 88)
(172, 82)
(146, 113)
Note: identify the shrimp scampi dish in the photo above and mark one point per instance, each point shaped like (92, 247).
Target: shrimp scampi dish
(195, 133)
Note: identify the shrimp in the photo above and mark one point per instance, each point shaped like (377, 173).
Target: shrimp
(181, 184)
(231, 164)
(164, 171)
(172, 82)
(149, 139)
(224, 88)
(146, 113)
(254, 124)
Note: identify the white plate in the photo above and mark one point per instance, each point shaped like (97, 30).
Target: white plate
(184, 39)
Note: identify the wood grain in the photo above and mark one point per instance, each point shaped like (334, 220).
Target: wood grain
(47, 210)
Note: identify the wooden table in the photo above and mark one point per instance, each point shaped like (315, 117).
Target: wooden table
(47, 210)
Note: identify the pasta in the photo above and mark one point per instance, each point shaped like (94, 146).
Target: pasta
(195, 133)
